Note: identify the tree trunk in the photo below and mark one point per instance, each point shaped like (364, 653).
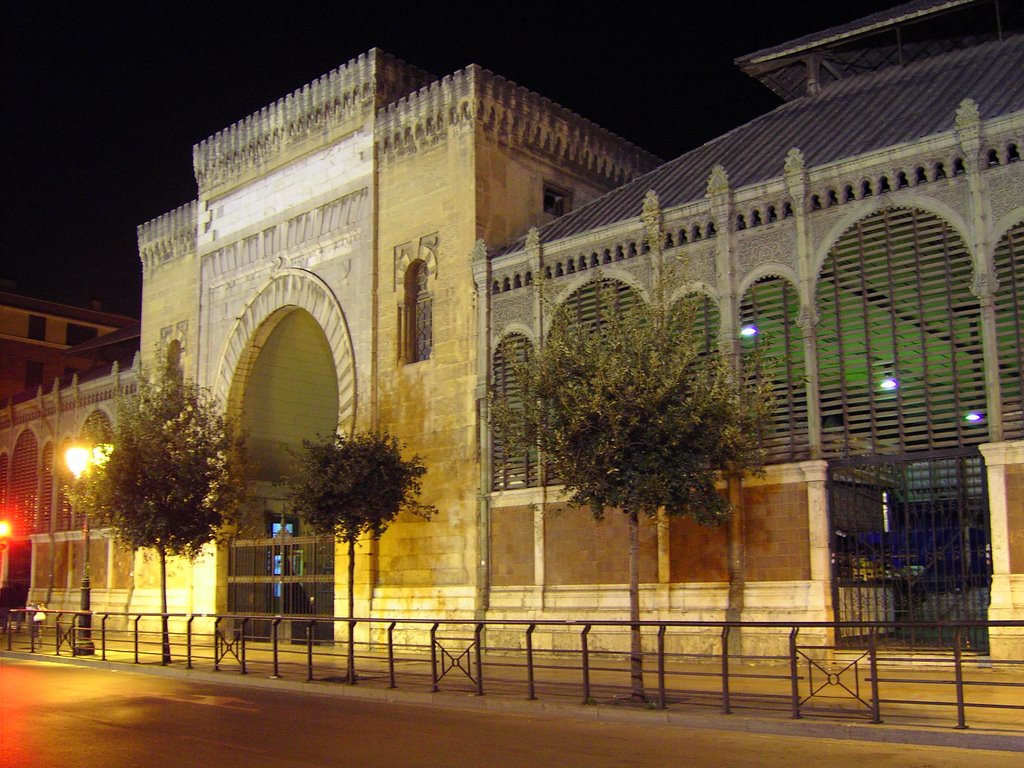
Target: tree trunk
(351, 674)
(737, 565)
(636, 659)
(165, 635)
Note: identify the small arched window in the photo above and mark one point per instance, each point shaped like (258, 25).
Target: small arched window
(174, 355)
(418, 326)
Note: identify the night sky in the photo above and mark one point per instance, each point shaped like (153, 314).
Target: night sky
(102, 105)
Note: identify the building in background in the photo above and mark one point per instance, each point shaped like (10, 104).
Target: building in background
(50, 355)
(364, 253)
(40, 340)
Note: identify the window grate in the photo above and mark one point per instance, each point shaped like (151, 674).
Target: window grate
(507, 470)
(1009, 302)
(899, 339)
(768, 320)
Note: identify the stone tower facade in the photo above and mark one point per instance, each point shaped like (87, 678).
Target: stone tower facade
(322, 280)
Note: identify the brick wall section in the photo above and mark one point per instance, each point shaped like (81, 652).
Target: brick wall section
(697, 553)
(581, 550)
(775, 533)
(1015, 516)
(512, 546)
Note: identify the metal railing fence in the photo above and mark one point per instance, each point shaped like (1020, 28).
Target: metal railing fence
(687, 664)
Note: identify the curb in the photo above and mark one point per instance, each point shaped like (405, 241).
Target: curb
(972, 738)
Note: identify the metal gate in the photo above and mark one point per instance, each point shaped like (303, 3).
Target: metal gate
(910, 543)
(283, 576)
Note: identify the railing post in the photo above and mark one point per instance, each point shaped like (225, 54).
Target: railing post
(216, 644)
(477, 639)
(433, 656)
(103, 636)
(188, 641)
(876, 705)
(794, 673)
(241, 641)
(351, 676)
(585, 658)
(391, 655)
(310, 626)
(136, 634)
(958, 671)
(273, 643)
(531, 692)
(661, 667)
(726, 703)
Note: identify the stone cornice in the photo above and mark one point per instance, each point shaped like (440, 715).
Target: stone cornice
(170, 236)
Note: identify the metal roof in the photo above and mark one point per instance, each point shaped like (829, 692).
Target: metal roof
(847, 118)
(910, 32)
(901, 14)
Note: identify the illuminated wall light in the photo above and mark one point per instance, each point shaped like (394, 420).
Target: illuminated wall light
(889, 383)
(974, 417)
(748, 331)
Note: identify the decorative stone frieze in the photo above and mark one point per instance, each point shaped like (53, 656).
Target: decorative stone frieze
(1005, 190)
(513, 308)
(333, 223)
(777, 246)
(697, 265)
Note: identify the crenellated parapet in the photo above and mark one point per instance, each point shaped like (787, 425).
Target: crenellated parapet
(339, 101)
(423, 118)
(528, 121)
(170, 236)
(510, 114)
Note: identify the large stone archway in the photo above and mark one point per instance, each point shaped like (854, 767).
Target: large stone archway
(286, 291)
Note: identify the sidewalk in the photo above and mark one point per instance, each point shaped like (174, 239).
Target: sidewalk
(917, 706)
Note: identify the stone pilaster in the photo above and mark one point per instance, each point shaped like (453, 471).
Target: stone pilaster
(1004, 466)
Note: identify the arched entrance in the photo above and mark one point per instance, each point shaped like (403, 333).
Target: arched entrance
(284, 391)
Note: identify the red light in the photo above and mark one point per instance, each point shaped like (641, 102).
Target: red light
(5, 529)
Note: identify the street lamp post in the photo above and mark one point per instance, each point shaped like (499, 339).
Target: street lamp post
(77, 459)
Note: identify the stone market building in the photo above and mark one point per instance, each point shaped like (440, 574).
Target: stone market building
(367, 253)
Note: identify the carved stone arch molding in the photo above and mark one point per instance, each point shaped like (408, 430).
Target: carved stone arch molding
(293, 289)
(604, 273)
(700, 287)
(770, 270)
(1004, 225)
(514, 328)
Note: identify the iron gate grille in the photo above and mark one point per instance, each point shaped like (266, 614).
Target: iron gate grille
(283, 576)
(910, 543)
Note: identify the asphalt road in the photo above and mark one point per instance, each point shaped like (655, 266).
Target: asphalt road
(55, 715)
